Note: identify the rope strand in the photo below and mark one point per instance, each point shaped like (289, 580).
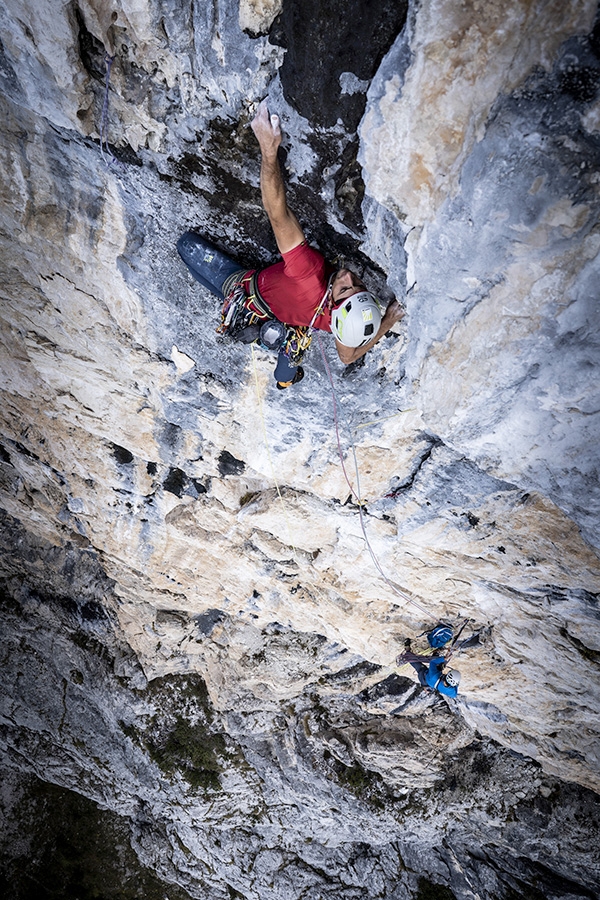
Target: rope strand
(112, 159)
(264, 431)
(376, 562)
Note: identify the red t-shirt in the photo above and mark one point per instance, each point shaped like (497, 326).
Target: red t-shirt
(295, 287)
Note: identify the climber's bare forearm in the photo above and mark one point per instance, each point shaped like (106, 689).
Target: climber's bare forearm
(284, 223)
(286, 228)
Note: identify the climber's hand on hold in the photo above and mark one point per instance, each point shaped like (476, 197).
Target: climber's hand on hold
(286, 228)
(267, 130)
(393, 314)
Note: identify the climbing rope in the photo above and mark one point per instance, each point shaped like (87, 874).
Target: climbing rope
(455, 646)
(357, 493)
(308, 584)
(109, 158)
(264, 431)
(470, 641)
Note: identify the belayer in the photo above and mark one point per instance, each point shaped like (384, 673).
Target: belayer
(430, 669)
(281, 304)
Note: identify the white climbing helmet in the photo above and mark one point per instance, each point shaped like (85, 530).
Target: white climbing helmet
(356, 321)
(453, 677)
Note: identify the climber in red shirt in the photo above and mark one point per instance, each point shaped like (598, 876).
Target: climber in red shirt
(301, 290)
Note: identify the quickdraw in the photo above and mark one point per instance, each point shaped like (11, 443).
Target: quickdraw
(243, 305)
(297, 341)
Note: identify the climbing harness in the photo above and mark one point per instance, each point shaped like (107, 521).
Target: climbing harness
(299, 337)
(297, 341)
(244, 308)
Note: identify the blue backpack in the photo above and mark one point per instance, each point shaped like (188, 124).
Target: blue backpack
(439, 636)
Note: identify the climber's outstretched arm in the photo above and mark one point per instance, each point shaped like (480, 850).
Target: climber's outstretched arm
(285, 225)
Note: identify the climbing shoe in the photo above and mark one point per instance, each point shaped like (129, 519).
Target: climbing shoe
(281, 385)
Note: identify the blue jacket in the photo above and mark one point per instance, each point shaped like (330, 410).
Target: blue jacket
(434, 678)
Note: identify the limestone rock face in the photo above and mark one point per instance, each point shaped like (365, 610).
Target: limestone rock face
(202, 604)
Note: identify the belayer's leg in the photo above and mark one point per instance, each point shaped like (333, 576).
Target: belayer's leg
(207, 264)
(421, 671)
(413, 659)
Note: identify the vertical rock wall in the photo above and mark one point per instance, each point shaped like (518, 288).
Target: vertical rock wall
(183, 563)
(498, 184)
